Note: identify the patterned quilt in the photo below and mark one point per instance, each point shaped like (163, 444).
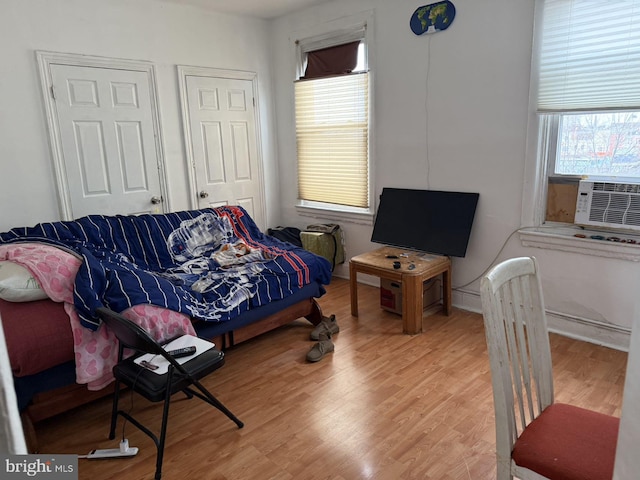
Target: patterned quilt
(95, 352)
(211, 264)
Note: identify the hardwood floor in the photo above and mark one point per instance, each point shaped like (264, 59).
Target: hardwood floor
(383, 406)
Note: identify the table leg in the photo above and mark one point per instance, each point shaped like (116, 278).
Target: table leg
(446, 291)
(353, 288)
(411, 304)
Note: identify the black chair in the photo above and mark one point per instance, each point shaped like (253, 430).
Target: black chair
(155, 387)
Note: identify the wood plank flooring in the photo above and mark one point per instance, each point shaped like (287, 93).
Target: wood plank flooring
(383, 406)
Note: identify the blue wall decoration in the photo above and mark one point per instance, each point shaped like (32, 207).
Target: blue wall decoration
(432, 18)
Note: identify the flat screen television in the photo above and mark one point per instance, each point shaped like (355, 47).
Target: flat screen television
(429, 221)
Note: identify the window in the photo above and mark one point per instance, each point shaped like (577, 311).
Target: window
(332, 115)
(586, 86)
(598, 144)
(588, 95)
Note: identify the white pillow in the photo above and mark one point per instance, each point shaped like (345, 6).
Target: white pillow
(17, 284)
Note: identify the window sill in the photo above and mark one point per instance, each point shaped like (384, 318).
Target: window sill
(556, 237)
(335, 213)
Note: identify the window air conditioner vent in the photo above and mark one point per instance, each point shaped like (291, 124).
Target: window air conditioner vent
(608, 204)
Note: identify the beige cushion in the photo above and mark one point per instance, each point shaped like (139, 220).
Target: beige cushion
(17, 284)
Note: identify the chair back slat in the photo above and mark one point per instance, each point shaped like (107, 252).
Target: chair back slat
(518, 344)
(525, 312)
(513, 323)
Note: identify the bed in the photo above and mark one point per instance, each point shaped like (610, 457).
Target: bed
(207, 272)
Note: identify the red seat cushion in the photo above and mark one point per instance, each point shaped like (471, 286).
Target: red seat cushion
(569, 443)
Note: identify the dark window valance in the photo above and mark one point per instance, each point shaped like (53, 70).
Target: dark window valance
(337, 60)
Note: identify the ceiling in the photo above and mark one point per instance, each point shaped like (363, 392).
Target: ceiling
(256, 8)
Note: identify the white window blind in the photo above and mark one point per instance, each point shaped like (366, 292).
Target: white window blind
(332, 130)
(590, 55)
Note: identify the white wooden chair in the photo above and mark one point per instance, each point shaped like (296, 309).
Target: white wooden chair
(535, 437)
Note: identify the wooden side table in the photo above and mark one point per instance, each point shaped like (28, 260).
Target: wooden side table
(415, 269)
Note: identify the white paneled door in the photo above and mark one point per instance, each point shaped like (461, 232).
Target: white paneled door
(223, 143)
(107, 139)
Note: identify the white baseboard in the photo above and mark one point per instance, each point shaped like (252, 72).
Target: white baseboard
(580, 328)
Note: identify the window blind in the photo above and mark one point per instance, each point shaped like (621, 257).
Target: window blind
(589, 55)
(337, 60)
(332, 125)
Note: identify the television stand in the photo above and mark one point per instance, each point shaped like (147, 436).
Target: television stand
(414, 269)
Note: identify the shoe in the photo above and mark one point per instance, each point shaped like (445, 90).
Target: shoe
(326, 325)
(320, 349)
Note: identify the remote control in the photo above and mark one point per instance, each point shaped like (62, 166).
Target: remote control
(182, 352)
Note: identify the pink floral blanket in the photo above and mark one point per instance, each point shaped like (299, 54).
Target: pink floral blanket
(95, 351)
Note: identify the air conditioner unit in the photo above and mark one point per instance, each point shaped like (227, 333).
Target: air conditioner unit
(608, 204)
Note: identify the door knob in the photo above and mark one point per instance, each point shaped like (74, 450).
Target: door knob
(203, 194)
(155, 200)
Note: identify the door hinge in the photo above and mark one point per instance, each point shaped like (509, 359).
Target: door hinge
(53, 92)
(254, 102)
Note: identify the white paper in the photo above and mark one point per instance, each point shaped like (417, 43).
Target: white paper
(180, 342)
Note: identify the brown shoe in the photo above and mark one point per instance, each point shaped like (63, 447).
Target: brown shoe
(326, 325)
(320, 349)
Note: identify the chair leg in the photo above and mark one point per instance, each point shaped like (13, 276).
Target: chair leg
(163, 434)
(209, 398)
(187, 393)
(504, 469)
(114, 410)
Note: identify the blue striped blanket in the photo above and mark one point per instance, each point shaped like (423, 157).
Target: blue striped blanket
(211, 264)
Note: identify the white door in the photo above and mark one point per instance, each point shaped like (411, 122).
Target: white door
(222, 132)
(107, 138)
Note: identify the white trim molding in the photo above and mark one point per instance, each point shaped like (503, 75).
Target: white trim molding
(564, 239)
(336, 31)
(45, 60)
(579, 328)
(186, 70)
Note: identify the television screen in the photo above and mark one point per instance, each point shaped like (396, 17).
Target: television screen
(429, 221)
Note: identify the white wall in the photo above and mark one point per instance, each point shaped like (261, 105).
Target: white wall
(163, 33)
(451, 113)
